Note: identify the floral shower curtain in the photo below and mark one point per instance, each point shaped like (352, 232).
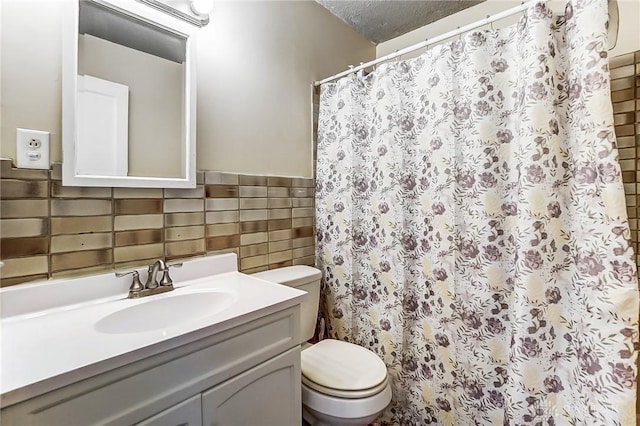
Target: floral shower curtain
(472, 231)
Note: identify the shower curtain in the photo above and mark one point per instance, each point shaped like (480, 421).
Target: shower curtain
(472, 231)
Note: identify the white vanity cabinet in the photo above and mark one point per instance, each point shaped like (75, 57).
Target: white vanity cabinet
(186, 413)
(246, 375)
(260, 396)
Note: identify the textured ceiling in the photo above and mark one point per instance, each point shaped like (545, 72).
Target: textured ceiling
(382, 20)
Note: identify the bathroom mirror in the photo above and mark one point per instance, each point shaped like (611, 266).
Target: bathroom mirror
(129, 89)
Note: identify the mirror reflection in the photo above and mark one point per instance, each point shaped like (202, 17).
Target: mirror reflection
(130, 96)
(129, 102)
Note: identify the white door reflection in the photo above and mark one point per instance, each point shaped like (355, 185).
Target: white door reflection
(103, 122)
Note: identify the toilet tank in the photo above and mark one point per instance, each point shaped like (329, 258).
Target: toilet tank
(304, 278)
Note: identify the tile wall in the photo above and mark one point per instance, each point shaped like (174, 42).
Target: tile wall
(50, 230)
(625, 95)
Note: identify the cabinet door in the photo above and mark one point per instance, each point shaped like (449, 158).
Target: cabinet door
(266, 395)
(186, 413)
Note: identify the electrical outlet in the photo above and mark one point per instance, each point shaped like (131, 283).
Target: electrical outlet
(32, 149)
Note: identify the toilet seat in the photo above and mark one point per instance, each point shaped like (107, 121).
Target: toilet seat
(363, 393)
(343, 370)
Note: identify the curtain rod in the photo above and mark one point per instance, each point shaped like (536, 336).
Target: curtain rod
(427, 42)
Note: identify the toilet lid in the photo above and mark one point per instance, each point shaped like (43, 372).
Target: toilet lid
(343, 366)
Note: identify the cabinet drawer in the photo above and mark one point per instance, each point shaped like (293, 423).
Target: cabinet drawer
(139, 390)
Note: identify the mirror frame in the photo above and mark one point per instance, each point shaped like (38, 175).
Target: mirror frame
(70, 89)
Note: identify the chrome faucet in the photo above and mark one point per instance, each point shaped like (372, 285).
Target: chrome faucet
(152, 286)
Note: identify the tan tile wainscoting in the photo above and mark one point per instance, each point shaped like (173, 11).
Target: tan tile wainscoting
(50, 230)
(625, 95)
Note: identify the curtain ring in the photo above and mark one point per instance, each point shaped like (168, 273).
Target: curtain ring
(490, 23)
(459, 34)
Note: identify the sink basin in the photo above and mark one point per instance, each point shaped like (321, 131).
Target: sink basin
(166, 312)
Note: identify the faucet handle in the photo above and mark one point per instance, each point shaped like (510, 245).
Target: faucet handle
(166, 279)
(136, 285)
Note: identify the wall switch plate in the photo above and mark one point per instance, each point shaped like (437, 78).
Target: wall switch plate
(32, 149)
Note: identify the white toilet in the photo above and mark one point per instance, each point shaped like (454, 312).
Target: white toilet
(342, 383)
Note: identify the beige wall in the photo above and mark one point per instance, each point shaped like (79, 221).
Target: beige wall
(256, 61)
(628, 36)
(31, 97)
(0, 76)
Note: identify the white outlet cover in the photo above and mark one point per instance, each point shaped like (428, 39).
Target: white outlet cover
(29, 153)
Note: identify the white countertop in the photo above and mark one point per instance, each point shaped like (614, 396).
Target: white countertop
(49, 348)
